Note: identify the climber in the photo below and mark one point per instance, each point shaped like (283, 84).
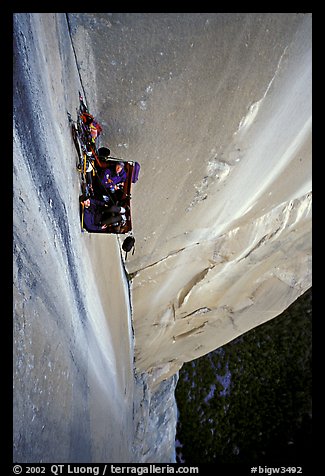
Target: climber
(97, 215)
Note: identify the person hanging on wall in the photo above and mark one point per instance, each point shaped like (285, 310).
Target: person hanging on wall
(114, 177)
(97, 215)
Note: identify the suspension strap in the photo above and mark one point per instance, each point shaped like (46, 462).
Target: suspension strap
(82, 215)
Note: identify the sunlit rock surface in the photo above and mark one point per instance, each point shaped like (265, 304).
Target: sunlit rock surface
(72, 337)
(217, 109)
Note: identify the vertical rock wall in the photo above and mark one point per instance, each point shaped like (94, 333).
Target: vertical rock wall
(217, 109)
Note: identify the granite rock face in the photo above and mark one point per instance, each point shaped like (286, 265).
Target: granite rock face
(217, 109)
(73, 350)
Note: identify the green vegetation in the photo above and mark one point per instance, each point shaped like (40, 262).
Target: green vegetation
(250, 401)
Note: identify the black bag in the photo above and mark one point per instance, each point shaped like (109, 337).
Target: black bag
(128, 244)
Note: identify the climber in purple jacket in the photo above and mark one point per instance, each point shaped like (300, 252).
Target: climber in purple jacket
(97, 215)
(114, 177)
